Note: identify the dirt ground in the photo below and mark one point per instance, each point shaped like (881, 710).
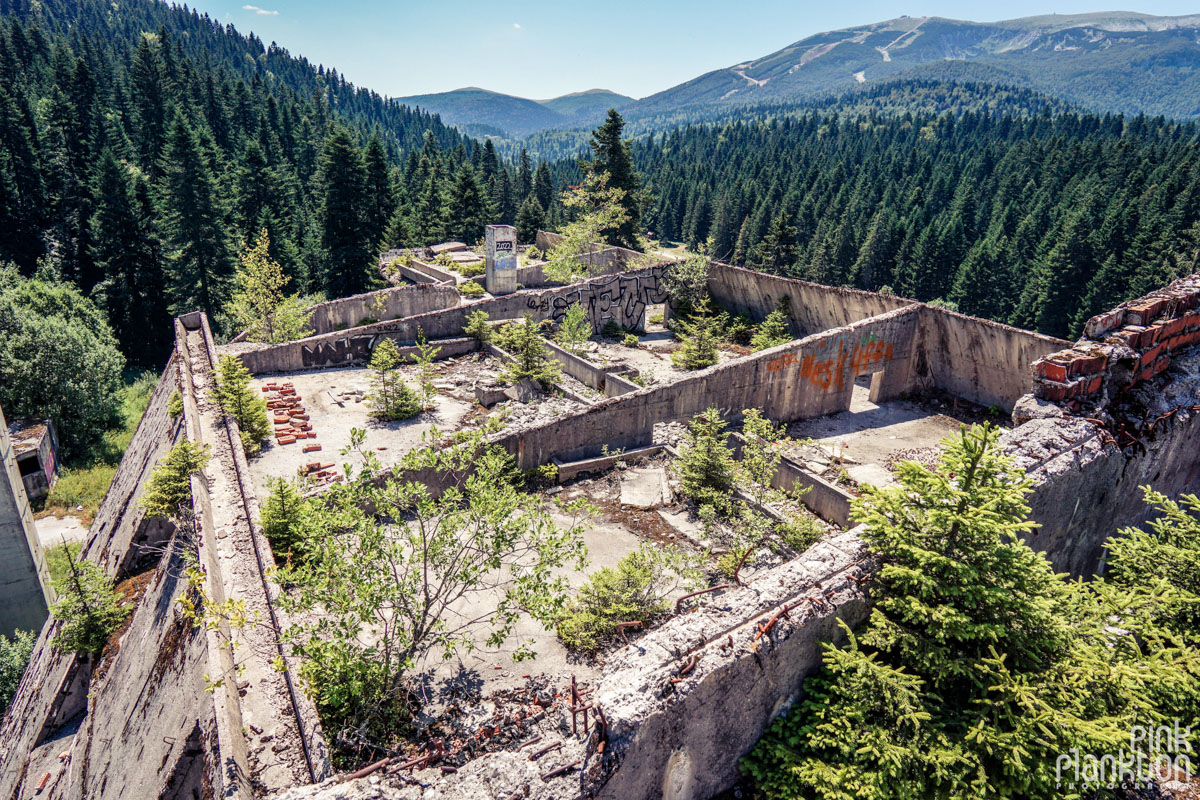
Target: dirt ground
(652, 359)
(869, 439)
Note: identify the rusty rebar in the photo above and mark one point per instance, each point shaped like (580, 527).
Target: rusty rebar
(563, 770)
(688, 667)
(737, 571)
(365, 771)
(621, 626)
(695, 594)
(534, 740)
(544, 750)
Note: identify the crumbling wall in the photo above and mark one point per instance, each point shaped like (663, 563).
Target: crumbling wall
(980, 360)
(622, 297)
(24, 580)
(814, 307)
(805, 378)
(397, 303)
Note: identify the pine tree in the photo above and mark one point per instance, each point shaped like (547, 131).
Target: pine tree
(234, 394)
(282, 517)
(467, 208)
(524, 176)
(543, 186)
(699, 340)
(348, 253)
(390, 398)
(381, 199)
(706, 465)
(169, 490)
(530, 219)
(199, 253)
(777, 252)
(87, 607)
(126, 249)
(612, 156)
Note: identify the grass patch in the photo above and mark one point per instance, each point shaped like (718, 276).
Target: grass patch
(56, 559)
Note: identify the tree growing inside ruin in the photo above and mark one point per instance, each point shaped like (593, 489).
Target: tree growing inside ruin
(237, 398)
(282, 515)
(598, 208)
(169, 490)
(390, 398)
(423, 357)
(428, 576)
(478, 327)
(531, 359)
(87, 608)
(574, 329)
(638, 588)
(705, 466)
(686, 282)
(259, 306)
(699, 340)
(775, 330)
(978, 666)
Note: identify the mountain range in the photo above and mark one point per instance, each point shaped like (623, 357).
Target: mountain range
(1115, 61)
(481, 112)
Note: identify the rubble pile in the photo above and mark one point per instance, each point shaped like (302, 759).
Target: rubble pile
(1122, 348)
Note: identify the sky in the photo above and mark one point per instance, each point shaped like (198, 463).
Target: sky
(545, 48)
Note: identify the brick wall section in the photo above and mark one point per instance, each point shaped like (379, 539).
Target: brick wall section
(1122, 348)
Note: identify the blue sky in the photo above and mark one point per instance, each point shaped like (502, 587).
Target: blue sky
(544, 48)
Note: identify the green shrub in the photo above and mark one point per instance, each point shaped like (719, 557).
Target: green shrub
(637, 589)
(533, 254)
(58, 557)
(175, 405)
(444, 260)
(471, 289)
(81, 488)
(774, 330)
(575, 329)
(478, 326)
(612, 330)
(169, 490)
(705, 465)
(15, 653)
(631, 340)
(281, 518)
(240, 401)
(390, 398)
(472, 269)
(533, 360)
(656, 319)
(87, 607)
(367, 320)
(698, 348)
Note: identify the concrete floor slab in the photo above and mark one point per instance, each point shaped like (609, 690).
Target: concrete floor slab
(643, 488)
(53, 531)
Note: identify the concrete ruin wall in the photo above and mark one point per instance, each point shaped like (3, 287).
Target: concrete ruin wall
(980, 360)
(622, 297)
(25, 592)
(806, 378)
(398, 302)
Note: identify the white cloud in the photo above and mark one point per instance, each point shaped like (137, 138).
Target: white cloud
(261, 11)
(517, 25)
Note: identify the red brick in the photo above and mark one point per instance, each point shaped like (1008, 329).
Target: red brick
(1088, 365)
(1052, 370)
(1094, 384)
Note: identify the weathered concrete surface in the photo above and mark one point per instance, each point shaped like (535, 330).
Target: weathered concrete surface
(394, 303)
(979, 360)
(814, 307)
(25, 593)
(622, 297)
(1087, 488)
(806, 378)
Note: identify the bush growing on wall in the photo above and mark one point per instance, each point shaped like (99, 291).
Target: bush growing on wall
(87, 607)
(14, 658)
(574, 330)
(169, 490)
(239, 400)
(774, 330)
(979, 667)
(533, 360)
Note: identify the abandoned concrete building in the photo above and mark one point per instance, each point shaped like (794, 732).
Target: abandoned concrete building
(26, 470)
(867, 380)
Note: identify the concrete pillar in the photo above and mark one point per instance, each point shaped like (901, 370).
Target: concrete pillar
(501, 259)
(24, 583)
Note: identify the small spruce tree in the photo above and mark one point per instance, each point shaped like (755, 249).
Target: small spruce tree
(533, 360)
(87, 607)
(774, 330)
(169, 490)
(239, 400)
(423, 358)
(477, 327)
(390, 397)
(700, 338)
(705, 466)
(281, 521)
(575, 329)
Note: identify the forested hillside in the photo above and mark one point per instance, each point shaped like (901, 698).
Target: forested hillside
(1036, 221)
(143, 145)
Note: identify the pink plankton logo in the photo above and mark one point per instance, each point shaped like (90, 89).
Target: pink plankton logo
(1157, 754)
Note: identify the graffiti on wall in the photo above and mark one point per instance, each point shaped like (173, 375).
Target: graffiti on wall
(622, 298)
(868, 354)
(338, 351)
